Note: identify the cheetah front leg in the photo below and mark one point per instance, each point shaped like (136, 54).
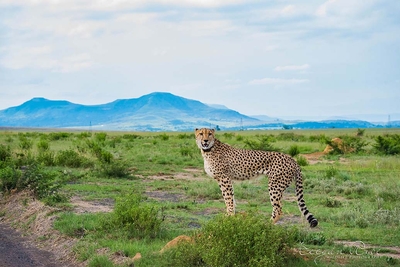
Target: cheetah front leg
(275, 195)
(225, 184)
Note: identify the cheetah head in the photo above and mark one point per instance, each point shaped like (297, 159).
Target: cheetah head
(205, 138)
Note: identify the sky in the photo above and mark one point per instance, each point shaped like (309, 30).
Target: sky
(282, 58)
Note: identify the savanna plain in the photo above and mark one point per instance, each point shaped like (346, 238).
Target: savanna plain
(117, 198)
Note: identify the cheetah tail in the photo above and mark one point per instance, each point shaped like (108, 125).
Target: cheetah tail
(302, 204)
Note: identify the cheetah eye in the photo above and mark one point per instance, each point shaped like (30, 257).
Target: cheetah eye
(201, 134)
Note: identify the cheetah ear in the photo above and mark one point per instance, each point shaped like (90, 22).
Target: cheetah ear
(212, 130)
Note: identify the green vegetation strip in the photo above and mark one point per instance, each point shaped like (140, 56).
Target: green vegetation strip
(159, 191)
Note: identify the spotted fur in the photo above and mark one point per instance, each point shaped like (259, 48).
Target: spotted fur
(225, 163)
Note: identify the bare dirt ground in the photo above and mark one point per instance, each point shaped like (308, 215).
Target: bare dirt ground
(35, 243)
(16, 251)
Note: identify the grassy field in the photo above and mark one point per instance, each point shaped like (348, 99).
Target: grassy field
(157, 189)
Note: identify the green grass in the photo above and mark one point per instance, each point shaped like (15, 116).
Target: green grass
(354, 196)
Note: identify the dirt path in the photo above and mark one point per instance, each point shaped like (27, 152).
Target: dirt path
(16, 251)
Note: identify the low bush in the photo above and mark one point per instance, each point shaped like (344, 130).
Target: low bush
(263, 143)
(302, 161)
(388, 144)
(164, 137)
(347, 144)
(115, 168)
(331, 202)
(59, 136)
(291, 137)
(46, 157)
(185, 136)
(310, 238)
(43, 145)
(294, 150)
(240, 240)
(25, 143)
(139, 218)
(5, 152)
(9, 178)
(71, 158)
(100, 137)
(43, 184)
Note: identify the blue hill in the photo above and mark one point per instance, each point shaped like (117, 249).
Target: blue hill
(155, 111)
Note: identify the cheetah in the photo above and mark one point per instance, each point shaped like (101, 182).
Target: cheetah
(224, 163)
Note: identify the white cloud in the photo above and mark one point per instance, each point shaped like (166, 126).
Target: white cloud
(277, 81)
(288, 10)
(292, 67)
(322, 9)
(73, 63)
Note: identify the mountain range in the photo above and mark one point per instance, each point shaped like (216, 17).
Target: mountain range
(157, 111)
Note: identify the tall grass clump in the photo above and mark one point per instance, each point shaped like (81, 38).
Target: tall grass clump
(294, 150)
(139, 218)
(302, 161)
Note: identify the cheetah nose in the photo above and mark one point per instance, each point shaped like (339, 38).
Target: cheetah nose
(205, 141)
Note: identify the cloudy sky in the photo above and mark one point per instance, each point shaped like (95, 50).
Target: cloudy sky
(277, 58)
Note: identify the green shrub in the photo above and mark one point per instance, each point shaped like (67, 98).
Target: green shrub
(5, 152)
(9, 178)
(310, 238)
(100, 137)
(291, 137)
(84, 135)
(131, 136)
(139, 218)
(228, 136)
(46, 157)
(348, 144)
(331, 172)
(25, 143)
(185, 136)
(321, 138)
(186, 150)
(263, 143)
(43, 145)
(59, 136)
(185, 254)
(244, 240)
(106, 156)
(239, 137)
(118, 169)
(388, 144)
(331, 202)
(240, 240)
(40, 182)
(164, 137)
(302, 161)
(95, 148)
(294, 150)
(70, 158)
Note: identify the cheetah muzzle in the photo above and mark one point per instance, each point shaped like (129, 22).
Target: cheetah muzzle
(225, 163)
